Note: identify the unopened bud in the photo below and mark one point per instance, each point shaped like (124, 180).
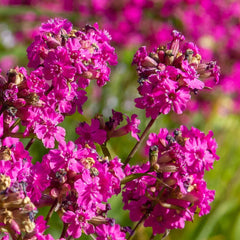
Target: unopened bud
(153, 154)
(169, 57)
(149, 62)
(98, 220)
(87, 74)
(94, 172)
(165, 158)
(20, 102)
(53, 42)
(167, 168)
(154, 56)
(27, 226)
(170, 181)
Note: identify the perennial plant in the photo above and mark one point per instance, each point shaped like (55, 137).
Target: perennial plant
(77, 178)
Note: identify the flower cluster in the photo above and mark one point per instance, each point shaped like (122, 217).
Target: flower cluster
(73, 178)
(79, 181)
(169, 74)
(64, 62)
(169, 189)
(100, 132)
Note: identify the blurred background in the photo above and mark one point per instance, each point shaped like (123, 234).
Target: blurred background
(213, 25)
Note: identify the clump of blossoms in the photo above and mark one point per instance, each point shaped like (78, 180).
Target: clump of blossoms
(76, 180)
(170, 188)
(169, 74)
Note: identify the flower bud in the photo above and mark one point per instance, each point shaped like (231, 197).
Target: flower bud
(20, 102)
(153, 154)
(165, 158)
(168, 168)
(149, 62)
(53, 42)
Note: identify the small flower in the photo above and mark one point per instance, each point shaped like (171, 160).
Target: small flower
(105, 232)
(89, 134)
(78, 222)
(58, 65)
(47, 130)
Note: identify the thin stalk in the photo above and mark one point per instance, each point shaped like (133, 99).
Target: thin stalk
(29, 143)
(105, 150)
(152, 237)
(65, 226)
(15, 124)
(92, 237)
(20, 237)
(137, 145)
(136, 227)
(21, 135)
(51, 211)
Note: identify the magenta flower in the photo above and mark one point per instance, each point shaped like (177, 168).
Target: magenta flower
(55, 25)
(105, 232)
(38, 181)
(88, 189)
(58, 65)
(131, 126)
(78, 222)
(89, 134)
(160, 95)
(36, 52)
(47, 130)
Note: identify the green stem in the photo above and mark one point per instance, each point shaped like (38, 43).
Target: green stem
(152, 237)
(15, 124)
(133, 176)
(51, 211)
(105, 150)
(92, 237)
(29, 143)
(20, 237)
(137, 145)
(21, 135)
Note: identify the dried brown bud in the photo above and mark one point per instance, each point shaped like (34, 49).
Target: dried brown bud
(5, 182)
(88, 162)
(15, 77)
(5, 153)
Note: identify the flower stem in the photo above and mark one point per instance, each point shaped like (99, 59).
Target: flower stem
(91, 235)
(51, 211)
(152, 237)
(136, 227)
(15, 124)
(21, 135)
(29, 143)
(65, 226)
(137, 145)
(105, 150)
